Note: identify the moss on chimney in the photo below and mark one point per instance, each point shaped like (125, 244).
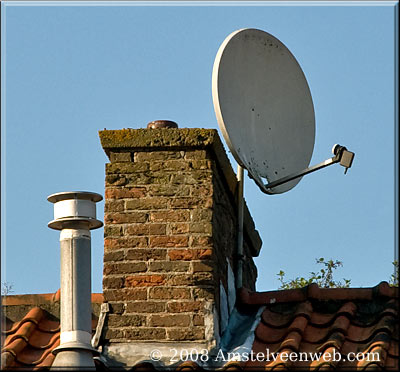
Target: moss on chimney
(167, 137)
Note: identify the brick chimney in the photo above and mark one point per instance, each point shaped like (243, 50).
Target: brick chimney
(170, 241)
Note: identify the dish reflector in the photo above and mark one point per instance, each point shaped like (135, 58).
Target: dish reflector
(263, 106)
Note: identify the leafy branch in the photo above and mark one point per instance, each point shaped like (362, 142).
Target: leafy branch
(324, 277)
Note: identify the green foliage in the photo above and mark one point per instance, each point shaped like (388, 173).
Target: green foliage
(394, 279)
(324, 278)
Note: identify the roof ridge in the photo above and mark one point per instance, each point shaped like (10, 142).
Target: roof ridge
(313, 291)
(348, 309)
(41, 298)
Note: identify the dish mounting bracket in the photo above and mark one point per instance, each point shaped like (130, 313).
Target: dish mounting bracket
(341, 155)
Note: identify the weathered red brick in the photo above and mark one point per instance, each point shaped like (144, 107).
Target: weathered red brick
(178, 228)
(114, 333)
(202, 266)
(147, 334)
(146, 203)
(169, 320)
(111, 294)
(200, 164)
(124, 294)
(170, 216)
(169, 190)
(205, 254)
(196, 154)
(144, 280)
(145, 307)
(124, 267)
(202, 190)
(201, 215)
(114, 255)
(133, 294)
(168, 241)
(126, 192)
(144, 179)
(170, 165)
(197, 279)
(126, 167)
(206, 293)
(145, 229)
(113, 230)
(182, 254)
(115, 180)
(136, 229)
(113, 282)
(184, 307)
(123, 242)
(151, 156)
(126, 217)
(157, 229)
(118, 157)
(189, 202)
(201, 241)
(166, 293)
(192, 178)
(198, 320)
(186, 334)
(118, 320)
(200, 227)
(143, 254)
(113, 206)
(168, 266)
(189, 254)
(116, 307)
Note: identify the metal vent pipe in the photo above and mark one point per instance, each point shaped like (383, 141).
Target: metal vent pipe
(75, 216)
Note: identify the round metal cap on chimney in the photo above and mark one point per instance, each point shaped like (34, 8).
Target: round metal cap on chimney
(159, 124)
(74, 208)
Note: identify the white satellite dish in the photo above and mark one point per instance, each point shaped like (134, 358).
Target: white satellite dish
(263, 106)
(264, 109)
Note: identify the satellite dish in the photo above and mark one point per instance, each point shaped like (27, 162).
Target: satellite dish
(265, 111)
(264, 107)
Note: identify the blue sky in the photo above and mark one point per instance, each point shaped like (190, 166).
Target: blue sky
(72, 69)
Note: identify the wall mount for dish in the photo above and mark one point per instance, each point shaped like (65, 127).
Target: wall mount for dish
(341, 156)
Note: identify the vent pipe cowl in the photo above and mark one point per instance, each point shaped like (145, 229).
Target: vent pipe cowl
(75, 216)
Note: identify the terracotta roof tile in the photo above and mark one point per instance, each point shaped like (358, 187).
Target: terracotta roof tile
(29, 342)
(330, 322)
(327, 321)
